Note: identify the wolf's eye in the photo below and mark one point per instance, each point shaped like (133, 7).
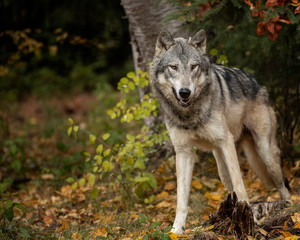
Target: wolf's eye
(173, 67)
(194, 66)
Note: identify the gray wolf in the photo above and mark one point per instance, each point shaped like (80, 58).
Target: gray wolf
(213, 108)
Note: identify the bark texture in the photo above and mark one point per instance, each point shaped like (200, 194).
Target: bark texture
(145, 22)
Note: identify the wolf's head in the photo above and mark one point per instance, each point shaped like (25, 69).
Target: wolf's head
(180, 68)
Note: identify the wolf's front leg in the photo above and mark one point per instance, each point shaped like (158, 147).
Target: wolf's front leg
(185, 159)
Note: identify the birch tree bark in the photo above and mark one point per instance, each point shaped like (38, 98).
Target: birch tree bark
(145, 22)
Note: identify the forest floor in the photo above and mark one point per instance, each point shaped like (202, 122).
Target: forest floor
(38, 156)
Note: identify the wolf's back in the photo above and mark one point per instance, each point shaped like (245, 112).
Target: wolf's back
(238, 84)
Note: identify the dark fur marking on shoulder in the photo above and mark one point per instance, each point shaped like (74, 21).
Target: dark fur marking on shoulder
(221, 86)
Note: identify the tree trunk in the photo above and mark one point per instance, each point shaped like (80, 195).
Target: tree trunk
(145, 22)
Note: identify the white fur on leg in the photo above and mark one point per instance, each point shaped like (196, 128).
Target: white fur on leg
(184, 168)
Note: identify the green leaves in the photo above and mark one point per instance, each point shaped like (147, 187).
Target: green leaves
(152, 232)
(127, 159)
(8, 209)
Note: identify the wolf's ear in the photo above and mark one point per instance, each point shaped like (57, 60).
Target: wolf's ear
(164, 41)
(199, 41)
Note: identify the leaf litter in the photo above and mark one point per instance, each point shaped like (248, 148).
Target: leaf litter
(68, 212)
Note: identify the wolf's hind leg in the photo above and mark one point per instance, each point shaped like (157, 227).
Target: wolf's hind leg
(254, 160)
(267, 149)
(229, 168)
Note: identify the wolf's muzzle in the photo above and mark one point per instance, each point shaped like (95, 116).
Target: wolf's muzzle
(184, 99)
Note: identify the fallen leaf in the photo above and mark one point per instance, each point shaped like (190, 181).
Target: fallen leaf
(164, 204)
(170, 186)
(287, 234)
(263, 232)
(163, 194)
(196, 184)
(173, 236)
(215, 197)
(297, 225)
(76, 236)
(47, 176)
(100, 232)
(182, 236)
(64, 225)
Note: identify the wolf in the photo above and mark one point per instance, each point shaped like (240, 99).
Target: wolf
(217, 109)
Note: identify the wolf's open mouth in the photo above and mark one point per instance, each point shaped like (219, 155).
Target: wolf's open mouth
(184, 102)
(181, 102)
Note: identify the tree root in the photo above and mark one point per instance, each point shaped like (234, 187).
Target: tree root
(236, 218)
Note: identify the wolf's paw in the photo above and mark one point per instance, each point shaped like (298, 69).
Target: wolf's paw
(177, 230)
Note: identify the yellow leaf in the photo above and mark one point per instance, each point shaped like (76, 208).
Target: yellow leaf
(297, 225)
(196, 184)
(105, 136)
(182, 236)
(99, 149)
(289, 238)
(173, 236)
(92, 138)
(69, 131)
(100, 232)
(287, 234)
(76, 128)
(215, 197)
(70, 120)
(76, 236)
(106, 152)
(209, 228)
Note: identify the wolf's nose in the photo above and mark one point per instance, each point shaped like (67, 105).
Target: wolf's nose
(184, 92)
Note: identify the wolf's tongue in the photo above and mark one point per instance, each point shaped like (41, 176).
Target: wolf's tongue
(185, 100)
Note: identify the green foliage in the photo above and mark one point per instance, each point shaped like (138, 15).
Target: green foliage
(125, 160)
(14, 154)
(152, 231)
(7, 216)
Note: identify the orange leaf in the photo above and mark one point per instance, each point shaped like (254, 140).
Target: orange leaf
(196, 184)
(287, 234)
(163, 194)
(170, 186)
(286, 227)
(173, 236)
(297, 225)
(100, 232)
(64, 225)
(182, 236)
(215, 197)
(249, 3)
